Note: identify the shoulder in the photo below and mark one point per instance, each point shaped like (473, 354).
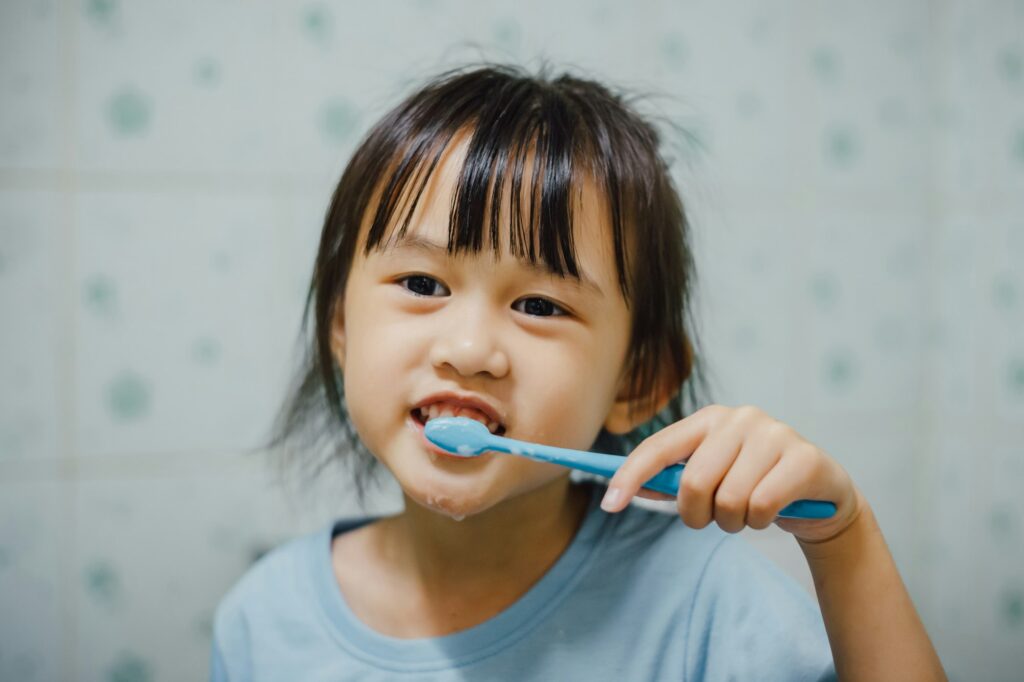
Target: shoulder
(738, 568)
(710, 556)
(272, 583)
(738, 611)
(749, 619)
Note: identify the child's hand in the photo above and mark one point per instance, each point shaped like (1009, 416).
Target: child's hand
(745, 467)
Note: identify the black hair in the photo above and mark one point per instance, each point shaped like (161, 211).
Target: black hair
(573, 128)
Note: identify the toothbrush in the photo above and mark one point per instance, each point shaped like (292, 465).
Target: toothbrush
(468, 438)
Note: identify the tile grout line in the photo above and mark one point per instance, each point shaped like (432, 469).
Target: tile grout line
(164, 181)
(66, 345)
(980, 423)
(286, 188)
(149, 465)
(795, 228)
(923, 459)
(157, 179)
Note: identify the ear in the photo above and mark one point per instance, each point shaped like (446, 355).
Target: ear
(619, 420)
(338, 335)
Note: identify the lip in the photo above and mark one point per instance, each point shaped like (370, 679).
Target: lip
(464, 400)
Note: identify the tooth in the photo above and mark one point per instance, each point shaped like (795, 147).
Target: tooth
(446, 411)
(432, 411)
(492, 427)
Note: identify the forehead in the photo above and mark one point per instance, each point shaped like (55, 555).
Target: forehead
(566, 232)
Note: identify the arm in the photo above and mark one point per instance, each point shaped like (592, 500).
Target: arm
(744, 468)
(873, 628)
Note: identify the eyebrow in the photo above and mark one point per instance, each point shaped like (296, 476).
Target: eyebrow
(418, 243)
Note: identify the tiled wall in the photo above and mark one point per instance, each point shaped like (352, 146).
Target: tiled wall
(856, 181)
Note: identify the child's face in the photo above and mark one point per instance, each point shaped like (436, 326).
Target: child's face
(482, 330)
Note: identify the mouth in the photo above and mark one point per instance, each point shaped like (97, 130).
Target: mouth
(423, 414)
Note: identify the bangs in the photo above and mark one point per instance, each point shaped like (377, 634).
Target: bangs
(530, 147)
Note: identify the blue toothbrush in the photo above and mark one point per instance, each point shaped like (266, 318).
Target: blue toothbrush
(468, 438)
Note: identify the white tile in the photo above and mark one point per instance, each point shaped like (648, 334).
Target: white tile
(305, 214)
(1003, 300)
(324, 86)
(981, 114)
(861, 300)
(32, 85)
(605, 39)
(180, 331)
(880, 456)
(722, 72)
(861, 96)
(159, 88)
(1001, 540)
(977, 345)
(954, 337)
(32, 290)
(746, 288)
(34, 543)
(156, 555)
(953, 570)
(335, 93)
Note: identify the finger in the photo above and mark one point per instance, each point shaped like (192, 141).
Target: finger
(796, 475)
(709, 464)
(655, 495)
(704, 472)
(666, 447)
(759, 454)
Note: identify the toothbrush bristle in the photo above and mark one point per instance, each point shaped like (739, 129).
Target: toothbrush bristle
(458, 435)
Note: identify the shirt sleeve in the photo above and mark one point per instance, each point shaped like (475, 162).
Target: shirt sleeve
(751, 621)
(230, 659)
(218, 673)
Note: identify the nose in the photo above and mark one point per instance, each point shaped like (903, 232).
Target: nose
(470, 343)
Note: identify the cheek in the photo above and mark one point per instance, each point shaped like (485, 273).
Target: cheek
(566, 397)
(523, 475)
(376, 364)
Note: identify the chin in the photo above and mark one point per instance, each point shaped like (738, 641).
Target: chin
(448, 500)
(452, 493)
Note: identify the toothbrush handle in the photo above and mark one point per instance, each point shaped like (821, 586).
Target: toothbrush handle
(667, 481)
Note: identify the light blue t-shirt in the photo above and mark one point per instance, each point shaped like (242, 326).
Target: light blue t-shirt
(637, 595)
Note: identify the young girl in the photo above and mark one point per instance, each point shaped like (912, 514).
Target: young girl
(511, 248)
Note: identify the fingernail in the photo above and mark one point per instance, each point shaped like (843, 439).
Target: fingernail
(611, 499)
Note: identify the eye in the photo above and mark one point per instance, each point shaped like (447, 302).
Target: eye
(422, 285)
(539, 307)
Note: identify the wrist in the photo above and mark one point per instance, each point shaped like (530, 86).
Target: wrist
(860, 524)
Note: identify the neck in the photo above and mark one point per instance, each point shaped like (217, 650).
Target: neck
(511, 544)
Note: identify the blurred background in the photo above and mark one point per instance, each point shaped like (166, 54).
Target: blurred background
(855, 178)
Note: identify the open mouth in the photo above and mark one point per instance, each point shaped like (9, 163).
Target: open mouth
(421, 415)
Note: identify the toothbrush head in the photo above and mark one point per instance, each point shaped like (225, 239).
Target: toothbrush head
(460, 436)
